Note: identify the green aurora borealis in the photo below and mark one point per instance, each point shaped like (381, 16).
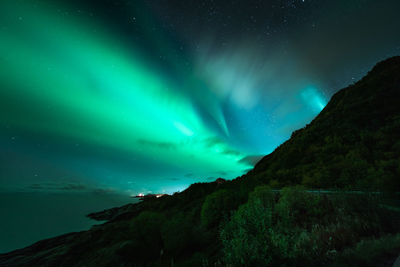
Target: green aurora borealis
(69, 82)
(85, 107)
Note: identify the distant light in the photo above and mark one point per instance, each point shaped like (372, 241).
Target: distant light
(183, 129)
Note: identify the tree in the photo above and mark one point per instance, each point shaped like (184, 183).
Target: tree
(218, 205)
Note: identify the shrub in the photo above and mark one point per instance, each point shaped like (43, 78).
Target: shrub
(177, 234)
(369, 252)
(218, 205)
(246, 237)
(301, 228)
(145, 237)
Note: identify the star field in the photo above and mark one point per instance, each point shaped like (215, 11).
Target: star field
(139, 96)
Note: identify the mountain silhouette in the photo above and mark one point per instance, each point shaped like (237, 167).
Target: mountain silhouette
(353, 144)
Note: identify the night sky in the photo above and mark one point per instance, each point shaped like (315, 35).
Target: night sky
(151, 96)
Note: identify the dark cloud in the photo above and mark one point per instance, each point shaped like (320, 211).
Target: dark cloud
(73, 187)
(252, 160)
(102, 191)
(215, 141)
(212, 141)
(37, 186)
(68, 187)
(231, 152)
(161, 145)
(58, 187)
(223, 57)
(247, 170)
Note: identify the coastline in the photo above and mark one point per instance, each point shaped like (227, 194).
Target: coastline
(34, 216)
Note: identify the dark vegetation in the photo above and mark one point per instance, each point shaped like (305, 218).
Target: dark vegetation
(271, 215)
(298, 228)
(353, 143)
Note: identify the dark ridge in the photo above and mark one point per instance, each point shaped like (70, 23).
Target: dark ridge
(353, 144)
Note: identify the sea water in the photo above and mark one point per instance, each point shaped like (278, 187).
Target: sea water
(27, 217)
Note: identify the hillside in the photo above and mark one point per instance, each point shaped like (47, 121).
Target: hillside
(354, 143)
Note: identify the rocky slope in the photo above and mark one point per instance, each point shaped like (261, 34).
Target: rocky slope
(353, 143)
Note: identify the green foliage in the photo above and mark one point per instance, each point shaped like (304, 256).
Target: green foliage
(218, 205)
(353, 144)
(262, 194)
(145, 240)
(176, 233)
(182, 236)
(299, 227)
(245, 238)
(296, 206)
(368, 252)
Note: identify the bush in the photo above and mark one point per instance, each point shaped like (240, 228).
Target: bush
(145, 238)
(301, 228)
(369, 252)
(218, 205)
(182, 236)
(296, 206)
(245, 238)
